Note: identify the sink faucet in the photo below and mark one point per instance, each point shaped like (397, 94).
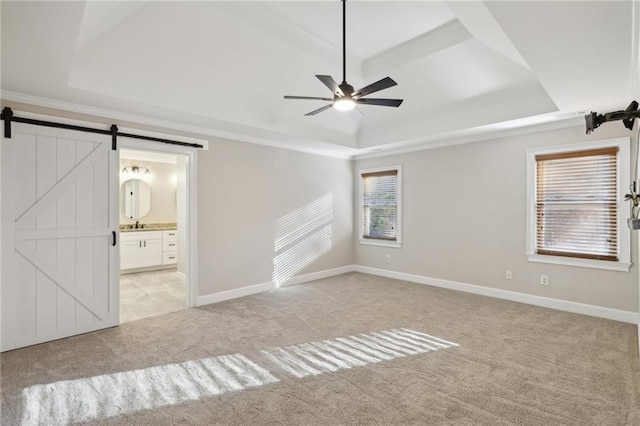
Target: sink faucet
(137, 223)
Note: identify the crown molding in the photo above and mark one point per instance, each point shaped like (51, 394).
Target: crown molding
(227, 130)
(282, 141)
(471, 136)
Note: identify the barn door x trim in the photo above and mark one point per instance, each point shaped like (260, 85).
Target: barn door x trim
(59, 224)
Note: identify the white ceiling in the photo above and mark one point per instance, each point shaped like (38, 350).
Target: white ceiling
(222, 68)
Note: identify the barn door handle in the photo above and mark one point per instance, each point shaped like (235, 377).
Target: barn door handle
(113, 235)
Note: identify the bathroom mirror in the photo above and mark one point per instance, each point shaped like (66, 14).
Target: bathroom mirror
(135, 198)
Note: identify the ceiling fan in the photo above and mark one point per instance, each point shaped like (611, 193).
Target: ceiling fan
(344, 97)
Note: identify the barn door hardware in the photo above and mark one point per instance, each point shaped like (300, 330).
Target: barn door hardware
(8, 117)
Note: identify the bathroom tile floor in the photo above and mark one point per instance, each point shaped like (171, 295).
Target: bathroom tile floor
(147, 294)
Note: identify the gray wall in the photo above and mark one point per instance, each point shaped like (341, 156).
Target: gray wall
(243, 189)
(464, 220)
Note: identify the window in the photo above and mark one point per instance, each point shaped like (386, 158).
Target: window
(380, 206)
(576, 204)
(576, 211)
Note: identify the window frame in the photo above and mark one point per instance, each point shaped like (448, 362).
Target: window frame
(623, 176)
(378, 241)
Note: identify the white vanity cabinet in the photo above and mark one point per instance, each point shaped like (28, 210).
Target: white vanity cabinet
(169, 247)
(140, 249)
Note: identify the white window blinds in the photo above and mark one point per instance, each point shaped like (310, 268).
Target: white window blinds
(576, 204)
(380, 205)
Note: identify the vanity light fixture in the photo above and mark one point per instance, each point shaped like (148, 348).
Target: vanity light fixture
(136, 170)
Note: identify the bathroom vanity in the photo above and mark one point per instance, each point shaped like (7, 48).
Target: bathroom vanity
(149, 245)
(148, 248)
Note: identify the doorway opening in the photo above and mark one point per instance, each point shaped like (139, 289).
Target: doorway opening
(153, 204)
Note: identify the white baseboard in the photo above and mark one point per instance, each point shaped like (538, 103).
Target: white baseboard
(547, 302)
(299, 279)
(233, 294)
(259, 288)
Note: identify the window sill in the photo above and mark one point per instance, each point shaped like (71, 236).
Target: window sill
(582, 263)
(381, 243)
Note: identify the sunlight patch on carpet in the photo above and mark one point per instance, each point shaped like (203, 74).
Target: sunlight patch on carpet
(110, 395)
(315, 358)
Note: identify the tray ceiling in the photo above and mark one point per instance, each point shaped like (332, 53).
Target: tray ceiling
(463, 68)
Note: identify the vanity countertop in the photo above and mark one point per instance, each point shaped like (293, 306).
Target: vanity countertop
(149, 227)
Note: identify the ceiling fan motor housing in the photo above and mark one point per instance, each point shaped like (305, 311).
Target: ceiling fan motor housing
(347, 90)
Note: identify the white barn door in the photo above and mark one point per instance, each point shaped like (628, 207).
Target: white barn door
(59, 212)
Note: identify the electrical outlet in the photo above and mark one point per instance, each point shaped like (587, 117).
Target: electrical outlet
(387, 258)
(508, 275)
(544, 279)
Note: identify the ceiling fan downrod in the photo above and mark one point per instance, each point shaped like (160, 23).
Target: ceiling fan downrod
(344, 41)
(344, 101)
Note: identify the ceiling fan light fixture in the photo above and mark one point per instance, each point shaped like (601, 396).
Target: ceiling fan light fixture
(344, 97)
(344, 104)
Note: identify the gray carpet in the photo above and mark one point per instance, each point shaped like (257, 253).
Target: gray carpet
(352, 349)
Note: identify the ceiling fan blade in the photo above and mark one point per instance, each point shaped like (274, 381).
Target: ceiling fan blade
(319, 110)
(308, 98)
(328, 81)
(380, 102)
(385, 83)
